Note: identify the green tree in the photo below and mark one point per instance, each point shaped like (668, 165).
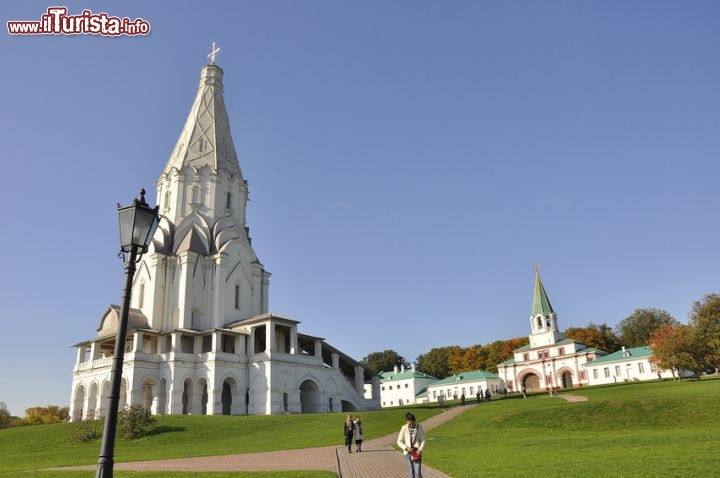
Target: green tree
(436, 361)
(5, 417)
(636, 329)
(601, 336)
(496, 353)
(467, 359)
(45, 415)
(675, 348)
(705, 321)
(384, 361)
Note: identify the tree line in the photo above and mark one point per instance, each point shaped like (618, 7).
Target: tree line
(695, 346)
(33, 416)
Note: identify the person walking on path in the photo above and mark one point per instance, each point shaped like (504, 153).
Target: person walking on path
(358, 434)
(348, 431)
(411, 441)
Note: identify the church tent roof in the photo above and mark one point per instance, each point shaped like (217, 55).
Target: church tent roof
(541, 304)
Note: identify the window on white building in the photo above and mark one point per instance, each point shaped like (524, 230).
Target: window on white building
(595, 373)
(641, 367)
(607, 372)
(617, 370)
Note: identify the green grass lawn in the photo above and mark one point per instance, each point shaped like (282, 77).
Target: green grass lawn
(179, 436)
(656, 429)
(663, 429)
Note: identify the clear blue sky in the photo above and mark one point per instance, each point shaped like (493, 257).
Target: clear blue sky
(408, 163)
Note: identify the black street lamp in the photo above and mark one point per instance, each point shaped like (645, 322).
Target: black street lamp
(137, 226)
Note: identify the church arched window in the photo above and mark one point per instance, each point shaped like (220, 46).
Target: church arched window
(228, 200)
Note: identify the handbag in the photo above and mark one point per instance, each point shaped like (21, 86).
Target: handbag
(415, 455)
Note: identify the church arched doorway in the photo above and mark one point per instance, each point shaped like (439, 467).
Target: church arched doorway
(92, 401)
(309, 397)
(77, 413)
(203, 397)
(187, 393)
(347, 406)
(566, 379)
(226, 398)
(104, 398)
(531, 382)
(162, 397)
(146, 394)
(122, 401)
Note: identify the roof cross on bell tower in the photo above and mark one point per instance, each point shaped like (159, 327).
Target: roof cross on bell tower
(213, 54)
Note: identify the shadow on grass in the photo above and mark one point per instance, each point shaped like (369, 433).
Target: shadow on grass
(164, 429)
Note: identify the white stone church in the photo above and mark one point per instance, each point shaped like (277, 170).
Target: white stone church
(200, 338)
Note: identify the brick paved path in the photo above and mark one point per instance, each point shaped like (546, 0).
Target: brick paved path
(379, 459)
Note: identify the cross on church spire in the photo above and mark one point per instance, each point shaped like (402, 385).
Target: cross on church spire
(213, 53)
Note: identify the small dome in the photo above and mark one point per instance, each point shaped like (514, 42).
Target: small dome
(111, 318)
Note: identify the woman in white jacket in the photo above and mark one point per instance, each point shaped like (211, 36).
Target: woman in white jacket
(411, 441)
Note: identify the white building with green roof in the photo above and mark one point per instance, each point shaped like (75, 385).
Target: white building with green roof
(626, 365)
(550, 360)
(403, 387)
(465, 383)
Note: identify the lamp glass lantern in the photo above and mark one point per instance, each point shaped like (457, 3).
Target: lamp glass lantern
(137, 225)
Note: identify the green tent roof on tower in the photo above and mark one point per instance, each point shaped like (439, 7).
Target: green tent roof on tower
(541, 303)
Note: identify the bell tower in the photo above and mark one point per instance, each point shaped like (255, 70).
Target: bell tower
(543, 320)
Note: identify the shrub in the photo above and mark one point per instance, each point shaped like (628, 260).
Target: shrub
(87, 430)
(134, 422)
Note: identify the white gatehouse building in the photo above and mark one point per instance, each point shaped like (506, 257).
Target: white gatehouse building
(549, 361)
(200, 337)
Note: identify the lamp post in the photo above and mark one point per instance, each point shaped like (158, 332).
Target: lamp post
(137, 226)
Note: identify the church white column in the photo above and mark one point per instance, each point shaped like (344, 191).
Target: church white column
(214, 405)
(293, 340)
(94, 351)
(176, 342)
(318, 348)
(185, 288)
(360, 379)
(219, 290)
(376, 387)
(335, 360)
(175, 405)
(265, 290)
(137, 341)
(216, 341)
(270, 337)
